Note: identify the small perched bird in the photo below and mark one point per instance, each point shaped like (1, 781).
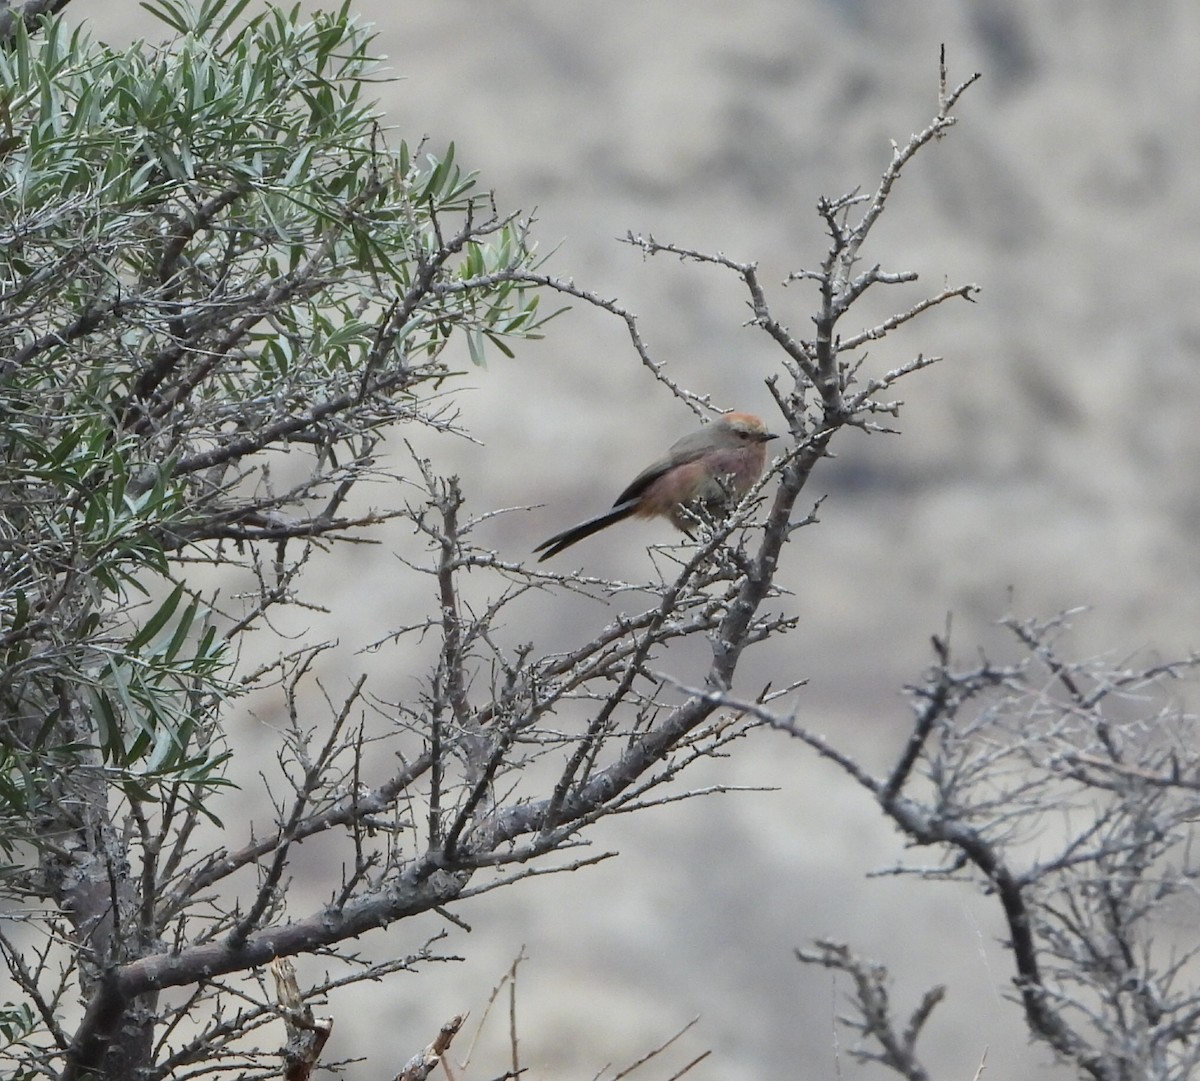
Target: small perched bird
(723, 458)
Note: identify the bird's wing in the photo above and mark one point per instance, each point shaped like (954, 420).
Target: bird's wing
(684, 450)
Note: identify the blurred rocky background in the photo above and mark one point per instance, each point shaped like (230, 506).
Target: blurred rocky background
(1048, 462)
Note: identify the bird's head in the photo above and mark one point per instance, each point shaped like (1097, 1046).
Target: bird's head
(743, 429)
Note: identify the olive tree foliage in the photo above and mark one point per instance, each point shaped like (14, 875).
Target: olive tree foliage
(211, 262)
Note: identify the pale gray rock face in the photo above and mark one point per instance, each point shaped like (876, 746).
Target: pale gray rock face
(1052, 452)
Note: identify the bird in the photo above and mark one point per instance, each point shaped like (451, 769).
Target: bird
(723, 458)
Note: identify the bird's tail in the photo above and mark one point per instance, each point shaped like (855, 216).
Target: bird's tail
(568, 537)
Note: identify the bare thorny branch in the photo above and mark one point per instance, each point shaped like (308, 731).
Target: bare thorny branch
(872, 1019)
(993, 758)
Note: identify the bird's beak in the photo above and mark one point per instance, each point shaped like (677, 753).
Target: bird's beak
(766, 437)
